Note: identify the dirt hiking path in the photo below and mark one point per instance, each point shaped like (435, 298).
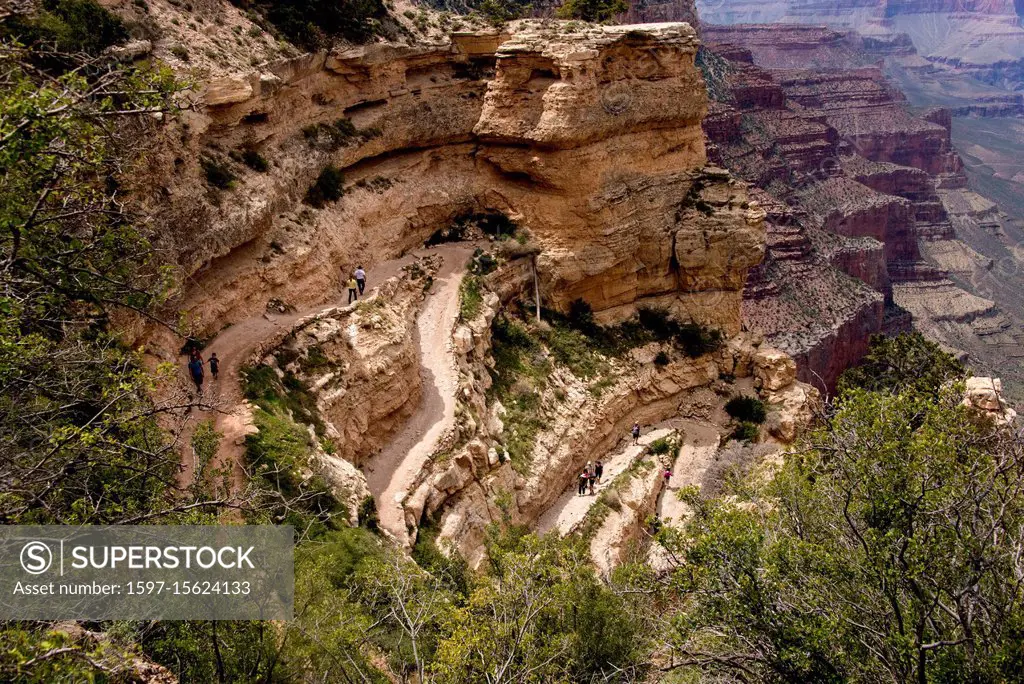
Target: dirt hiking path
(392, 472)
(234, 347)
(570, 509)
(700, 442)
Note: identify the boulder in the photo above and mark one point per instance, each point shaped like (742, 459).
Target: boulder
(984, 396)
(229, 90)
(773, 369)
(462, 340)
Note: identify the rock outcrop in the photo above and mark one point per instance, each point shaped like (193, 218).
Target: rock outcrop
(583, 424)
(541, 124)
(984, 396)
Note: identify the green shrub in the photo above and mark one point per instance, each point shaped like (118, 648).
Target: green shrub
(327, 188)
(508, 333)
(660, 446)
(289, 395)
(315, 24)
(338, 134)
(596, 11)
(218, 173)
(661, 359)
(452, 571)
(69, 25)
(181, 52)
(254, 160)
(581, 317)
(345, 128)
(500, 11)
(745, 432)
(367, 513)
(746, 409)
(906, 361)
(696, 340)
(657, 322)
(470, 297)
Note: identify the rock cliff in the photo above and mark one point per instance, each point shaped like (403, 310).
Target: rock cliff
(871, 188)
(541, 124)
(982, 40)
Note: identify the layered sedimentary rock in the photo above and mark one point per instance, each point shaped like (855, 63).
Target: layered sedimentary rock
(471, 490)
(983, 40)
(878, 191)
(541, 125)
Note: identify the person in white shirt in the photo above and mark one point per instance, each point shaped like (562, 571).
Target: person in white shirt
(361, 279)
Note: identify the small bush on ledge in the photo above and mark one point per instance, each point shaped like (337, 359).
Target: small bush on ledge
(254, 160)
(218, 173)
(746, 409)
(745, 432)
(327, 188)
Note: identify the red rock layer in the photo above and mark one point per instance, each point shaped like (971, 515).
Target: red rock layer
(849, 184)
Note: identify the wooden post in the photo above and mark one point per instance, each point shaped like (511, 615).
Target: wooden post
(536, 286)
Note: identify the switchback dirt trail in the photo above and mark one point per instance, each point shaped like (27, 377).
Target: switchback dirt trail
(570, 509)
(235, 346)
(393, 471)
(700, 442)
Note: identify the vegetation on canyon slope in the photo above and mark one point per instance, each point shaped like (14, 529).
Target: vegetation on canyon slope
(315, 24)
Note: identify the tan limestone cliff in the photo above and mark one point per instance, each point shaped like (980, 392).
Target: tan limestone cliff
(590, 137)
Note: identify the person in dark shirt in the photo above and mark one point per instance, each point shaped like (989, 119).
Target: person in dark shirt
(214, 363)
(195, 369)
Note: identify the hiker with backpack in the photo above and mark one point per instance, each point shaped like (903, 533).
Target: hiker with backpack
(582, 482)
(214, 364)
(636, 433)
(599, 471)
(667, 475)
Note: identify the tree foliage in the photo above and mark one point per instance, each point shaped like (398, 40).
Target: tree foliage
(887, 550)
(315, 24)
(597, 11)
(905, 362)
(66, 27)
(78, 439)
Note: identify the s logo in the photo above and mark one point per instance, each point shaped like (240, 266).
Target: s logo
(36, 557)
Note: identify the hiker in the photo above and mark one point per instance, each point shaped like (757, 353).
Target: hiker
(195, 369)
(599, 471)
(592, 481)
(582, 485)
(214, 364)
(360, 279)
(667, 475)
(636, 433)
(352, 295)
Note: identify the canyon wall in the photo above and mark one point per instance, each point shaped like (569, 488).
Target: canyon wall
(982, 40)
(541, 124)
(876, 191)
